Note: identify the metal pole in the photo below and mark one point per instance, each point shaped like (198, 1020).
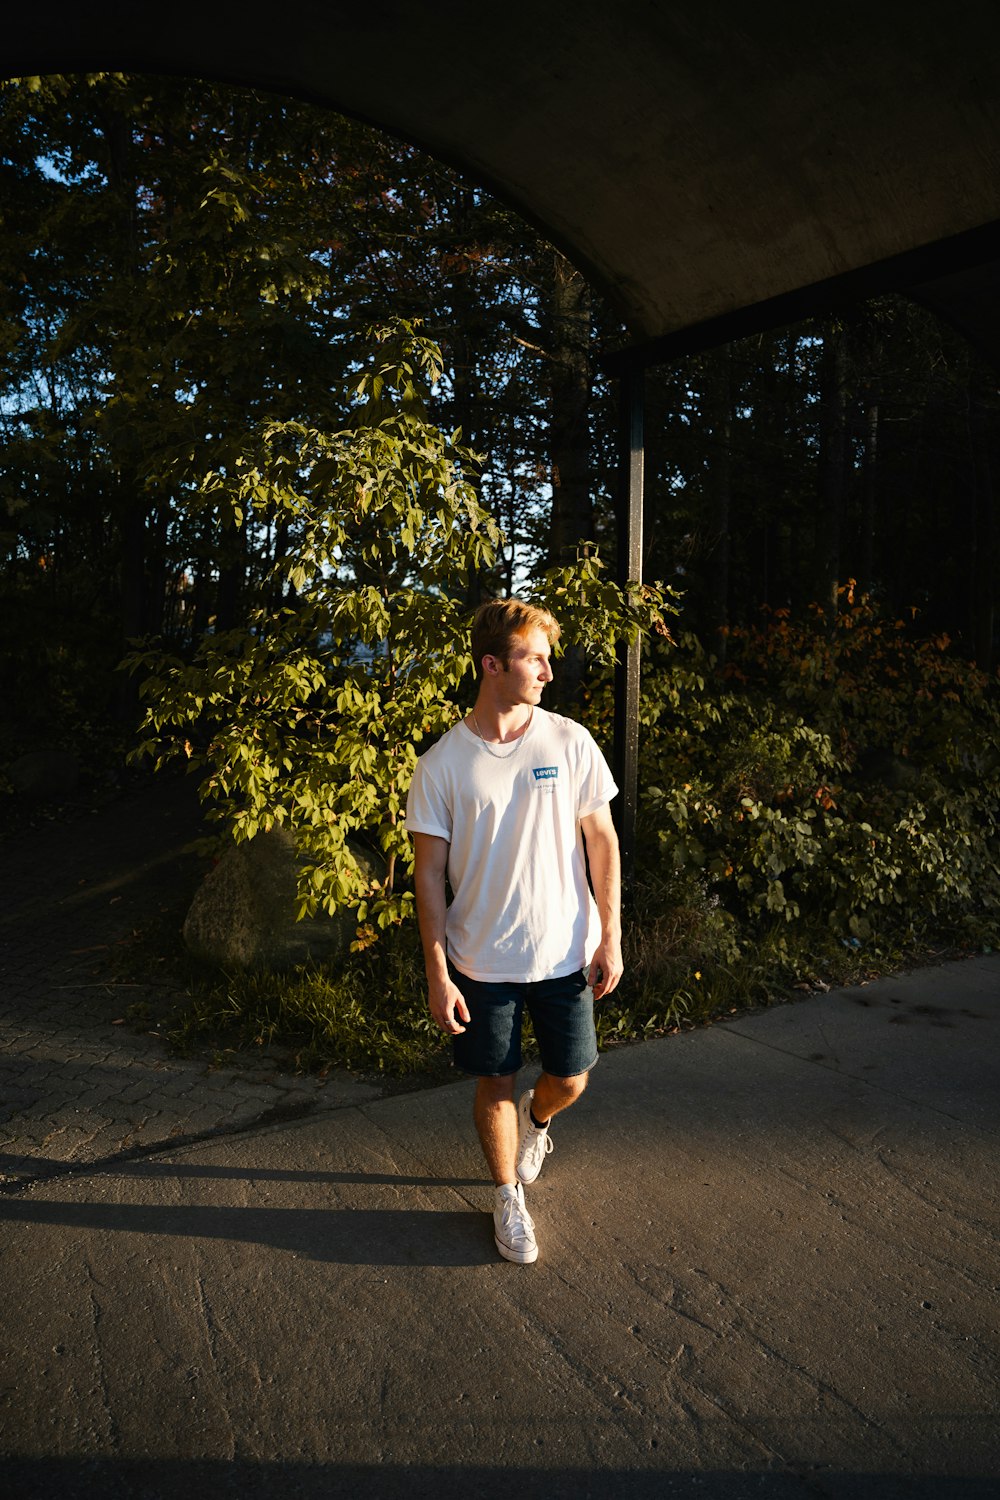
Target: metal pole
(628, 512)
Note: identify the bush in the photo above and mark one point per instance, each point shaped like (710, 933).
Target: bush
(850, 776)
(369, 1014)
(827, 806)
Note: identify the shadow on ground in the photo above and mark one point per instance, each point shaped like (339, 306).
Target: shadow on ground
(132, 1479)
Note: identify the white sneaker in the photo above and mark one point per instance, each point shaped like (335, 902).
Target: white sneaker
(533, 1145)
(513, 1226)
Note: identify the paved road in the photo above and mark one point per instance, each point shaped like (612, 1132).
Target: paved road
(80, 1080)
(769, 1264)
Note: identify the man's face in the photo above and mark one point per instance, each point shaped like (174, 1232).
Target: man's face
(528, 670)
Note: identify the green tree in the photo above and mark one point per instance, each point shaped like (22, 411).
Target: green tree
(309, 718)
(182, 259)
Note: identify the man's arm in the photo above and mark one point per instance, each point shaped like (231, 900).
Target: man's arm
(606, 877)
(430, 856)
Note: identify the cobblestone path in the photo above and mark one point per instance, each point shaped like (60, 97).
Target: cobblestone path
(80, 1081)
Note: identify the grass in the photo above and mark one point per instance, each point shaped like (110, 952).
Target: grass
(369, 1015)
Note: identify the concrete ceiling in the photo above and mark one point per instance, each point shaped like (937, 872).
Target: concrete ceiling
(713, 166)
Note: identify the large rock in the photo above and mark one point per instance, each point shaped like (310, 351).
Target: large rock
(243, 914)
(45, 775)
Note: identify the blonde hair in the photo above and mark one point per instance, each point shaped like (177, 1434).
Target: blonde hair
(497, 623)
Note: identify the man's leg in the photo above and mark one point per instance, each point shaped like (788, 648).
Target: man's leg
(495, 1115)
(555, 1094)
(562, 1010)
(490, 1047)
(496, 1122)
(534, 1116)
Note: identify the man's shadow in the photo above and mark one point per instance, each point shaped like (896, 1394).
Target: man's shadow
(423, 1236)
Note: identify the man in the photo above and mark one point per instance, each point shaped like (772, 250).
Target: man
(503, 806)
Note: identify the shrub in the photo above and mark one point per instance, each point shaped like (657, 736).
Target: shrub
(852, 776)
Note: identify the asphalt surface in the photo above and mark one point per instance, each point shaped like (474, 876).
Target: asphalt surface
(85, 1075)
(769, 1267)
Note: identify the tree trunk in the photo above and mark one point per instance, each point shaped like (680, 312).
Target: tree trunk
(719, 414)
(569, 331)
(833, 465)
(984, 559)
(465, 311)
(866, 560)
(132, 543)
(133, 604)
(569, 406)
(232, 579)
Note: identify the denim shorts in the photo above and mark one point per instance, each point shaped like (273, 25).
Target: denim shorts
(562, 1014)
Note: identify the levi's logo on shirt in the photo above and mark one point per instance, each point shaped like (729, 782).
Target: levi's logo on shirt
(545, 777)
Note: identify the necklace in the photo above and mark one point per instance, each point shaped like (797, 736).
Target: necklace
(495, 753)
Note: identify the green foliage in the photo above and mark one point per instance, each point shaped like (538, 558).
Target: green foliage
(369, 1015)
(184, 263)
(850, 776)
(595, 615)
(309, 718)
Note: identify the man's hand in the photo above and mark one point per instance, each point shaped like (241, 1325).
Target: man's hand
(606, 968)
(448, 1006)
(447, 1003)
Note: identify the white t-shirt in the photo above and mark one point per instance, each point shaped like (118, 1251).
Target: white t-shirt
(521, 907)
